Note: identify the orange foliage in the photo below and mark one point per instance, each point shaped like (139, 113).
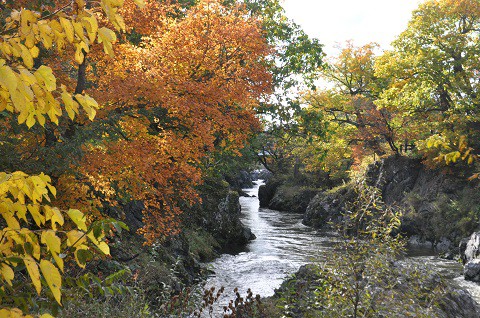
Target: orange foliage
(189, 90)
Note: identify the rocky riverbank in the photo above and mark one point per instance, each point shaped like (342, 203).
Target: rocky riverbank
(417, 293)
(163, 271)
(440, 206)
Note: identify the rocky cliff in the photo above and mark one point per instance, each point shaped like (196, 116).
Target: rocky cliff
(436, 204)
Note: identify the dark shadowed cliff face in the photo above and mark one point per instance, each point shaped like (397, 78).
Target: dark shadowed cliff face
(327, 207)
(283, 194)
(267, 191)
(436, 203)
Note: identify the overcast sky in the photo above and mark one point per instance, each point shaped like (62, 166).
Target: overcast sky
(363, 21)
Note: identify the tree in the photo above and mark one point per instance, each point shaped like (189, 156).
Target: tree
(354, 126)
(295, 63)
(185, 91)
(434, 78)
(29, 94)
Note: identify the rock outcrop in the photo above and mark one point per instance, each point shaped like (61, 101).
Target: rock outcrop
(281, 195)
(241, 180)
(228, 227)
(470, 255)
(439, 206)
(292, 199)
(328, 206)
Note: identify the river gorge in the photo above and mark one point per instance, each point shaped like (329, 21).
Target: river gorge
(283, 244)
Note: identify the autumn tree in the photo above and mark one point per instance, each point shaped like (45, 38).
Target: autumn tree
(354, 126)
(185, 90)
(294, 63)
(36, 235)
(434, 78)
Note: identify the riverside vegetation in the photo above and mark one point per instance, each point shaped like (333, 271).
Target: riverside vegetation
(131, 115)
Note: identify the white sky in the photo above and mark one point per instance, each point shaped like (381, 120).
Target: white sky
(334, 22)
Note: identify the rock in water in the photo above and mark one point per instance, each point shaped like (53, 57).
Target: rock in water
(471, 270)
(472, 248)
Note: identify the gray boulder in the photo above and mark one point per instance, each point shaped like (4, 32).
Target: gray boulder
(328, 206)
(292, 199)
(228, 226)
(471, 271)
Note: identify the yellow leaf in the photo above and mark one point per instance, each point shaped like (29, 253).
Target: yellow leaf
(16, 48)
(44, 75)
(30, 40)
(11, 220)
(68, 28)
(103, 246)
(46, 316)
(80, 255)
(78, 27)
(21, 211)
(6, 48)
(30, 120)
(34, 51)
(26, 16)
(88, 104)
(26, 56)
(45, 34)
(8, 78)
(36, 215)
(107, 37)
(52, 189)
(13, 313)
(27, 76)
(7, 273)
(470, 159)
(52, 241)
(31, 238)
(79, 55)
(71, 106)
(53, 278)
(41, 119)
(120, 22)
(75, 237)
(140, 3)
(78, 218)
(32, 269)
(91, 25)
(54, 215)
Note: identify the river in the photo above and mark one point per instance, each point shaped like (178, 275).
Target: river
(283, 244)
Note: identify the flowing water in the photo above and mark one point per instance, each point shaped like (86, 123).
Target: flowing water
(283, 244)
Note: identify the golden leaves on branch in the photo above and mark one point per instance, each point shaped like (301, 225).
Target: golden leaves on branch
(31, 92)
(23, 200)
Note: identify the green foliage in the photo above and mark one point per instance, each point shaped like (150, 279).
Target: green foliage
(90, 296)
(363, 277)
(433, 70)
(201, 245)
(452, 217)
(296, 54)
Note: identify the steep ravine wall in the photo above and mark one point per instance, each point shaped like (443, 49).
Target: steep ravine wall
(437, 205)
(441, 207)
